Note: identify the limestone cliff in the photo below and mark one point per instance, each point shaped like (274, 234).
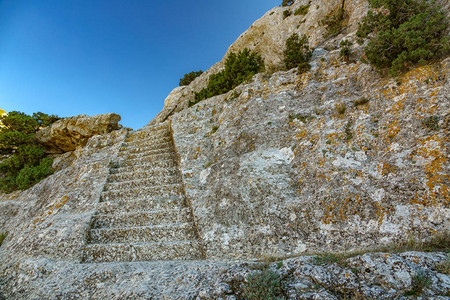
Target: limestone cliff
(336, 159)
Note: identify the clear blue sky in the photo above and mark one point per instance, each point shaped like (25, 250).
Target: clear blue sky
(70, 57)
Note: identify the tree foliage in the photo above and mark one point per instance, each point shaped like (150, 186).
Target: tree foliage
(297, 53)
(403, 33)
(27, 163)
(189, 77)
(239, 68)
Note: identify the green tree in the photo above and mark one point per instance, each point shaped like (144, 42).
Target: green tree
(189, 77)
(239, 68)
(297, 53)
(27, 163)
(403, 33)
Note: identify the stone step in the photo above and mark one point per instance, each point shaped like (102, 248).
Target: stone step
(136, 165)
(144, 135)
(178, 250)
(145, 182)
(142, 192)
(142, 174)
(145, 157)
(139, 149)
(148, 142)
(155, 203)
(141, 218)
(155, 233)
(131, 155)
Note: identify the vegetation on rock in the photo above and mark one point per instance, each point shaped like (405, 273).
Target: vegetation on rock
(239, 68)
(297, 53)
(334, 22)
(27, 163)
(189, 77)
(403, 33)
(2, 237)
(302, 10)
(263, 285)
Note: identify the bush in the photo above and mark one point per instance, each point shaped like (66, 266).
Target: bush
(287, 2)
(19, 128)
(263, 285)
(297, 53)
(238, 68)
(2, 237)
(302, 10)
(27, 165)
(403, 33)
(189, 77)
(24, 168)
(346, 52)
(334, 22)
(286, 13)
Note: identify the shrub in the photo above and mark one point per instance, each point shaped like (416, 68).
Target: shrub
(404, 33)
(189, 77)
(239, 68)
(287, 2)
(24, 168)
(263, 285)
(419, 281)
(302, 10)
(334, 22)
(346, 52)
(19, 128)
(360, 101)
(443, 267)
(27, 165)
(341, 108)
(2, 237)
(432, 123)
(286, 13)
(297, 53)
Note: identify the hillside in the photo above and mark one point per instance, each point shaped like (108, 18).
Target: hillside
(338, 159)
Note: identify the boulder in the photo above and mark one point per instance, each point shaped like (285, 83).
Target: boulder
(71, 133)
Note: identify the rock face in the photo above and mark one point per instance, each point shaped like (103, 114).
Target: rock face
(339, 158)
(71, 133)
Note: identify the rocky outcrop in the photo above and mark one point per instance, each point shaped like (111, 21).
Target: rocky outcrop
(368, 276)
(71, 133)
(336, 159)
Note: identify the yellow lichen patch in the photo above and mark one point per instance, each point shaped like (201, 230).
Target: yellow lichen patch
(393, 128)
(433, 150)
(51, 210)
(336, 210)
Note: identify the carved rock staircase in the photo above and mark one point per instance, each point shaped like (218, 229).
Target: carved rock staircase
(143, 210)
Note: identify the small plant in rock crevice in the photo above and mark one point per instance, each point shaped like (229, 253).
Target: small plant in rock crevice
(432, 123)
(286, 13)
(263, 285)
(346, 52)
(2, 237)
(287, 2)
(302, 10)
(334, 22)
(420, 281)
(360, 101)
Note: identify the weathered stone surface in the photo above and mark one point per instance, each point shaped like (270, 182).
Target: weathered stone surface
(280, 171)
(285, 165)
(370, 276)
(71, 133)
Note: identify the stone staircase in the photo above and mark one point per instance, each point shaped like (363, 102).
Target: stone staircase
(143, 213)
